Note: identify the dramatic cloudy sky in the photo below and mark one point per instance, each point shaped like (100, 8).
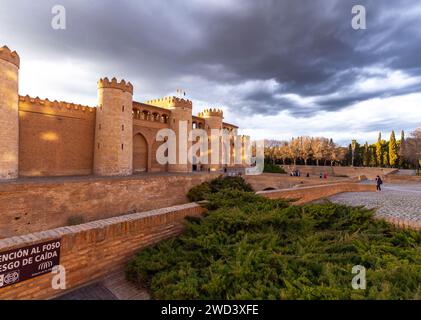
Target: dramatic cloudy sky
(278, 68)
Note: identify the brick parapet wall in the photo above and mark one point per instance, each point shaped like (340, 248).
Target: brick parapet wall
(92, 250)
(402, 179)
(312, 193)
(352, 172)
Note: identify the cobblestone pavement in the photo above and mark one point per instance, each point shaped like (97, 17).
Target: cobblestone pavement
(398, 201)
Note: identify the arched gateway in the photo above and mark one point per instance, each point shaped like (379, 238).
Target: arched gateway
(140, 153)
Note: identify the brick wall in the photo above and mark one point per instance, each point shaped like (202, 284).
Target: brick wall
(402, 179)
(284, 181)
(55, 139)
(352, 172)
(33, 205)
(312, 193)
(95, 249)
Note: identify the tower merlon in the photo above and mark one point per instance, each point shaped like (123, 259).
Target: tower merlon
(10, 56)
(115, 84)
(215, 112)
(171, 102)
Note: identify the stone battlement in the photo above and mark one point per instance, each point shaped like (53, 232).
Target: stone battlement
(10, 56)
(171, 102)
(207, 113)
(55, 104)
(114, 84)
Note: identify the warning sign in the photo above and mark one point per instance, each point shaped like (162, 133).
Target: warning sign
(25, 263)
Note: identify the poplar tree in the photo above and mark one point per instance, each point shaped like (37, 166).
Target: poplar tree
(393, 150)
(379, 153)
(402, 146)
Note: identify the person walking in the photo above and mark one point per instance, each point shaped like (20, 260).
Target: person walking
(379, 183)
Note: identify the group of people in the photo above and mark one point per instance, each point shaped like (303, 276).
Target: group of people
(323, 175)
(295, 173)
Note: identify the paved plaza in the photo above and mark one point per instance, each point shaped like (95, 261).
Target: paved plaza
(396, 200)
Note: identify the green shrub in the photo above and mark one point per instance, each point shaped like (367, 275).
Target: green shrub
(249, 247)
(272, 168)
(204, 190)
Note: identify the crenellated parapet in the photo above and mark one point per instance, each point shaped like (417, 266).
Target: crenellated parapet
(55, 104)
(171, 102)
(56, 108)
(10, 56)
(207, 113)
(115, 84)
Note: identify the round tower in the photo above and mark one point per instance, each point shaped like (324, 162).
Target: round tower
(9, 113)
(113, 155)
(213, 121)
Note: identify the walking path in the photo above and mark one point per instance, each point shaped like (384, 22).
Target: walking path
(396, 201)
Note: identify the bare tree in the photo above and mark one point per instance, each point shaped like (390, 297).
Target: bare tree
(271, 147)
(338, 154)
(294, 150)
(283, 152)
(412, 150)
(306, 148)
(321, 149)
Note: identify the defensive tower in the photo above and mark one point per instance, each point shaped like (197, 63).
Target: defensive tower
(9, 114)
(181, 115)
(213, 121)
(113, 150)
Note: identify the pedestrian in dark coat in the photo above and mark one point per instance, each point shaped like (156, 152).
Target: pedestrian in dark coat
(379, 183)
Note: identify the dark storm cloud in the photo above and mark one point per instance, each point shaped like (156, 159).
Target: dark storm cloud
(307, 47)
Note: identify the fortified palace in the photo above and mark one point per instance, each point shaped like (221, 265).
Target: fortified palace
(118, 137)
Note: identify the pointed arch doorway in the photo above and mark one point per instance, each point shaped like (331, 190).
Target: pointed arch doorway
(140, 154)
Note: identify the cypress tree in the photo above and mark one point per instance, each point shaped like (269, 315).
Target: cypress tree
(393, 150)
(373, 159)
(402, 150)
(366, 156)
(379, 153)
